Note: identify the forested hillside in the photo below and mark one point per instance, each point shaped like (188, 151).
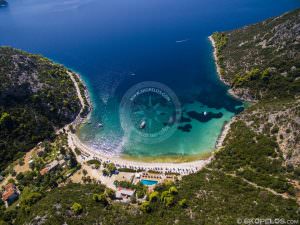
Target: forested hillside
(262, 60)
(36, 97)
(255, 174)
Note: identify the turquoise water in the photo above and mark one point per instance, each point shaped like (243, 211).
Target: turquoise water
(118, 43)
(149, 182)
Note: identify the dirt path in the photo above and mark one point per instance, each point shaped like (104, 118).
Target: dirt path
(27, 158)
(284, 195)
(20, 169)
(77, 90)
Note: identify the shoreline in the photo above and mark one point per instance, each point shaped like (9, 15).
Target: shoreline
(218, 68)
(224, 132)
(80, 120)
(88, 153)
(226, 126)
(169, 158)
(183, 168)
(183, 165)
(231, 92)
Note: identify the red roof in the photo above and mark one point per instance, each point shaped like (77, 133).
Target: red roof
(10, 189)
(44, 171)
(9, 186)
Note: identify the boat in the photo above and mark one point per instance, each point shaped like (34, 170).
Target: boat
(171, 120)
(143, 124)
(100, 125)
(205, 113)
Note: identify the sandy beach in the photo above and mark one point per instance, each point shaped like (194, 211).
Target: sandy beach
(182, 168)
(90, 153)
(163, 167)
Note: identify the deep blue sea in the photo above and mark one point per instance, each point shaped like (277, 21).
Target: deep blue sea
(115, 44)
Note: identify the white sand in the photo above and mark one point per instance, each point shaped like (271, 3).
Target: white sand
(90, 153)
(182, 168)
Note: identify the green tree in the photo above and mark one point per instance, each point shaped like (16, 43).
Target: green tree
(154, 196)
(76, 208)
(146, 207)
(11, 180)
(164, 194)
(101, 198)
(183, 203)
(140, 193)
(110, 193)
(30, 198)
(4, 117)
(169, 201)
(111, 168)
(105, 172)
(173, 190)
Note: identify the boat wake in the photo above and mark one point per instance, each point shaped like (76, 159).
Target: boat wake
(184, 40)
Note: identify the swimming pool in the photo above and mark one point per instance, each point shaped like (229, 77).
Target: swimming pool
(149, 182)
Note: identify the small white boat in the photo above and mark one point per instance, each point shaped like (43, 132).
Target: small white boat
(171, 120)
(143, 124)
(100, 125)
(205, 113)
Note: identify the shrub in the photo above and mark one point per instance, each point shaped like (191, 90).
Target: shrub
(77, 151)
(154, 196)
(140, 193)
(146, 207)
(164, 195)
(173, 190)
(31, 198)
(105, 172)
(110, 193)
(183, 203)
(76, 208)
(111, 168)
(169, 201)
(100, 198)
(94, 162)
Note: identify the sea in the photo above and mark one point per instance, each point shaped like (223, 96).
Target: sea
(148, 66)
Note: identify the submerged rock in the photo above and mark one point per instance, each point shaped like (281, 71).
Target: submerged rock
(3, 3)
(204, 118)
(185, 128)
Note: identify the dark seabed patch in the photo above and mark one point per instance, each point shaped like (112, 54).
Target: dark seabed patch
(204, 118)
(185, 128)
(185, 120)
(115, 51)
(3, 3)
(218, 101)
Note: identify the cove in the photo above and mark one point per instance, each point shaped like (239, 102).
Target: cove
(117, 44)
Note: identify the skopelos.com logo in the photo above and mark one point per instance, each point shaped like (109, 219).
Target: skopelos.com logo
(149, 112)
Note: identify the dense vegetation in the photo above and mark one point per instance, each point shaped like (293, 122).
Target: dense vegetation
(263, 58)
(250, 177)
(208, 197)
(36, 97)
(262, 62)
(260, 162)
(219, 194)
